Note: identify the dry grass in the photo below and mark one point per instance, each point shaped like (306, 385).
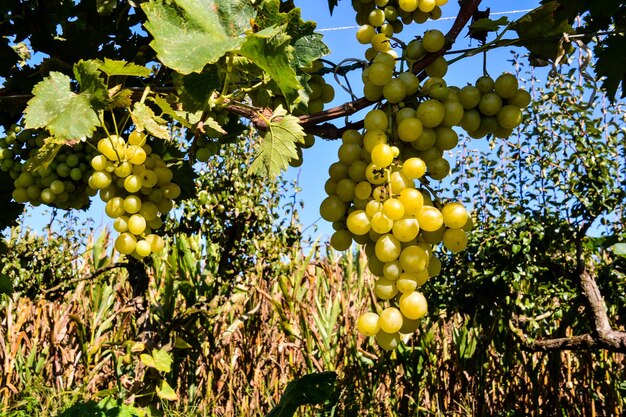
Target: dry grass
(248, 341)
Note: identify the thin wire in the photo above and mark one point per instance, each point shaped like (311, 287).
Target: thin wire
(442, 18)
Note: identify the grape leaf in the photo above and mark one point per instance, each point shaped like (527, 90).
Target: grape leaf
(123, 98)
(307, 49)
(270, 50)
(188, 34)
(159, 360)
(488, 25)
(278, 144)
(56, 107)
(331, 5)
(316, 388)
(6, 285)
(166, 392)
(185, 118)
(42, 157)
(619, 249)
(145, 119)
(538, 24)
(195, 90)
(88, 77)
(112, 67)
(611, 64)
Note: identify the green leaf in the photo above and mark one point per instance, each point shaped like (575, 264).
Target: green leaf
(88, 76)
(112, 67)
(311, 389)
(488, 25)
(273, 55)
(195, 90)
(166, 392)
(160, 360)
(145, 119)
(189, 34)
(185, 118)
(619, 249)
(56, 107)
(105, 7)
(542, 23)
(6, 285)
(278, 144)
(43, 157)
(307, 49)
(611, 64)
(331, 5)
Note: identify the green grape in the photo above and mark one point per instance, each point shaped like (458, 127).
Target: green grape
(394, 91)
(430, 113)
(509, 116)
(438, 68)
(490, 104)
(454, 215)
(121, 224)
(453, 113)
(427, 6)
(132, 183)
(410, 81)
(412, 200)
(381, 224)
(376, 120)
(376, 17)
(390, 320)
(341, 240)
(413, 259)
(446, 138)
(406, 229)
(429, 218)
(433, 40)
(363, 190)
(485, 84)
(387, 341)
(425, 140)
(415, 50)
(136, 224)
(125, 243)
(338, 171)
(408, 5)
(521, 99)
(332, 209)
(380, 74)
(410, 129)
(392, 270)
(434, 266)
(382, 155)
(388, 248)
(438, 168)
(413, 305)
(393, 209)
(157, 244)
(352, 136)
(137, 138)
(100, 180)
(143, 248)
(471, 120)
(385, 289)
(469, 96)
(367, 324)
(375, 175)
(372, 207)
(413, 168)
(372, 92)
(132, 204)
(365, 33)
(399, 182)
(358, 222)
(345, 190)
(380, 42)
(455, 240)
(506, 85)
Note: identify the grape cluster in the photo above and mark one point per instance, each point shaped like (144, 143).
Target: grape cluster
(493, 107)
(381, 19)
(379, 192)
(137, 187)
(61, 184)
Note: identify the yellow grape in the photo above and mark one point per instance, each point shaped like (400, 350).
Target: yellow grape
(429, 218)
(455, 240)
(413, 305)
(390, 320)
(367, 324)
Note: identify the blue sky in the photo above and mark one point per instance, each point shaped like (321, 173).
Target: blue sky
(339, 35)
(313, 173)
